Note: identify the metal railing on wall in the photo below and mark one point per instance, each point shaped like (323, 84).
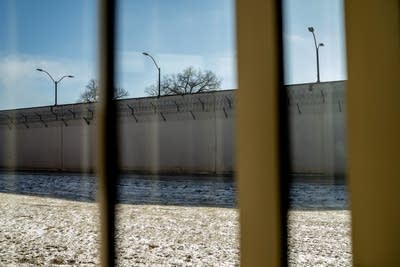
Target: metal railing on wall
(166, 108)
(301, 99)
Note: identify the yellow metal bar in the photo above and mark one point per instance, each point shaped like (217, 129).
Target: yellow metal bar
(373, 96)
(257, 132)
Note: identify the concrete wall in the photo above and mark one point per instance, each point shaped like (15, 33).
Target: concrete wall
(191, 133)
(317, 128)
(35, 138)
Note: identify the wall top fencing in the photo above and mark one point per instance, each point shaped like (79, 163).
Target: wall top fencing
(29, 117)
(326, 97)
(195, 106)
(201, 102)
(312, 97)
(316, 93)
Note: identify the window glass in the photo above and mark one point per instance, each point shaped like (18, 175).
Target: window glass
(315, 74)
(49, 214)
(177, 70)
(175, 89)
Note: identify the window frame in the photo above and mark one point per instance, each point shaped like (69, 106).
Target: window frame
(373, 36)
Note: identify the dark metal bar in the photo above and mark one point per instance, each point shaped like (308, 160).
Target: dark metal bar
(298, 108)
(107, 165)
(73, 113)
(54, 113)
(86, 120)
(91, 113)
(159, 81)
(40, 118)
(194, 117)
(226, 114)
(25, 122)
(55, 93)
(154, 107)
(177, 107)
(133, 112)
(162, 116)
(65, 122)
(229, 102)
(284, 140)
(202, 103)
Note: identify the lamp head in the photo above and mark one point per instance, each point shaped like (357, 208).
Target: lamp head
(144, 53)
(39, 69)
(70, 76)
(311, 29)
(321, 44)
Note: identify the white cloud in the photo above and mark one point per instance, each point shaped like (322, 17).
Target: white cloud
(174, 63)
(294, 38)
(131, 62)
(225, 68)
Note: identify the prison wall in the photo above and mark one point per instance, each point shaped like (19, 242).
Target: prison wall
(177, 134)
(317, 131)
(174, 134)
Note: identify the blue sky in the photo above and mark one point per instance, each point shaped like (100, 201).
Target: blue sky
(60, 36)
(326, 16)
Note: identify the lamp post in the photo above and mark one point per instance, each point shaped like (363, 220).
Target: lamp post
(311, 29)
(55, 83)
(159, 72)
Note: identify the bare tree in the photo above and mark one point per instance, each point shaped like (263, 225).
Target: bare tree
(188, 81)
(91, 93)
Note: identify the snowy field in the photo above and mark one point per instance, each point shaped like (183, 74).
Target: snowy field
(53, 220)
(45, 231)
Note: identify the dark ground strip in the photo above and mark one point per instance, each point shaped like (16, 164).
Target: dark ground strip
(207, 191)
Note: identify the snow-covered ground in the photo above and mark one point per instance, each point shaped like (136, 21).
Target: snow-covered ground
(45, 231)
(319, 238)
(195, 224)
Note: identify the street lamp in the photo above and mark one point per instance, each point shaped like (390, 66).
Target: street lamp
(311, 29)
(55, 83)
(159, 72)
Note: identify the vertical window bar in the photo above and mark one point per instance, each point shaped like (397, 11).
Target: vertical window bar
(107, 132)
(284, 145)
(259, 155)
(373, 53)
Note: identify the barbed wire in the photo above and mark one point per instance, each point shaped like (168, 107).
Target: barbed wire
(195, 106)
(301, 99)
